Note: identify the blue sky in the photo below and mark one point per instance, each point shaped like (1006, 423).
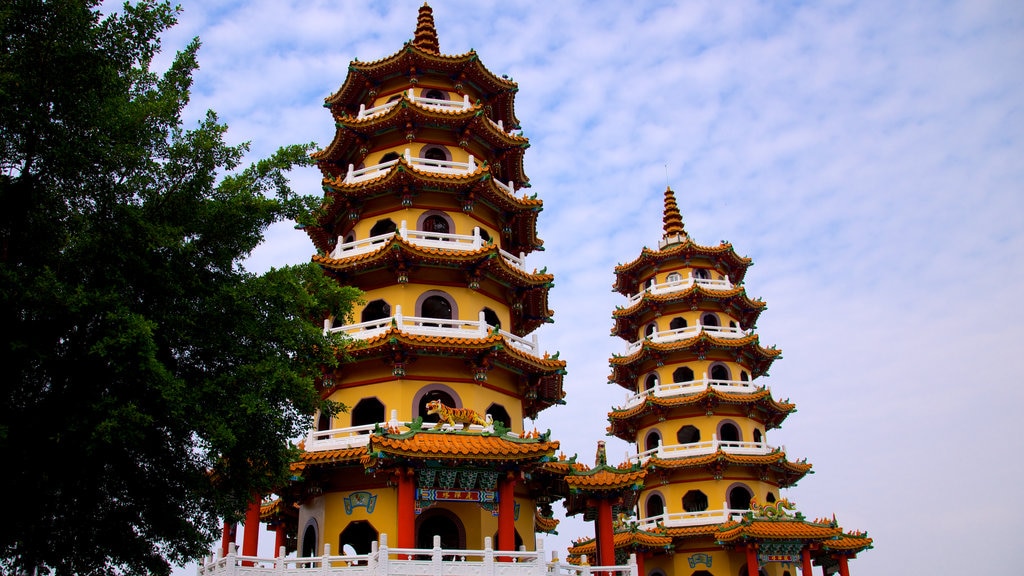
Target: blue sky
(869, 156)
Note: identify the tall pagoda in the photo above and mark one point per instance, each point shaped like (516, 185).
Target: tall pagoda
(699, 414)
(425, 212)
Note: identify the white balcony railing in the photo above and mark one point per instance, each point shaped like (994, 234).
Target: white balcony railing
(674, 389)
(359, 436)
(354, 176)
(433, 103)
(679, 286)
(385, 561)
(702, 518)
(433, 327)
(668, 451)
(685, 332)
(424, 239)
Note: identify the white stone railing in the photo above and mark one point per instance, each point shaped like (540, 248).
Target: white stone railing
(679, 286)
(359, 436)
(434, 103)
(433, 327)
(385, 561)
(424, 239)
(702, 518)
(668, 451)
(692, 387)
(354, 176)
(685, 332)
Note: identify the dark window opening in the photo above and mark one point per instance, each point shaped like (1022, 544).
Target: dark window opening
(350, 238)
(435, 153)
(439, 522)
(368, 411)
(688, 435)
(655, 506)
(500, 415)
(649, 330)
(491, 317)
(729, 432)
(702, 274)
(437, 307)
(435, 94)
(770, 497)
(744, 376)
(385, 226)
(719, 372)
(709, 320)
(308, 542)
(757, 435)
(651, 381)
(683, 374)
(376, 310)
(677, 323)
(485, 236)
(323, 422)
(695, 501)
(359, 534)
(652, 441)
(389, 157)
(435, 223)
(739, 498)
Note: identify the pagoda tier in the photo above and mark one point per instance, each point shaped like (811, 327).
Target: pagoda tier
(684, 254)
(647, 354)
(686, 295)
(475, 358)
(486, 270)
(454, 123)
(408, 182)
(757, 405)
(773, 468)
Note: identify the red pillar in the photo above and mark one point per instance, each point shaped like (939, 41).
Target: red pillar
(605, 533)
(752, 566)
(507, 513)
(251, 537)
(805, 556)
(844, 568)
(406, 509)
(279, 539)
(226, 538)
(640, 563)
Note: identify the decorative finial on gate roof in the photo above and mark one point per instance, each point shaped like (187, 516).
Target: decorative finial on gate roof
(426, 35)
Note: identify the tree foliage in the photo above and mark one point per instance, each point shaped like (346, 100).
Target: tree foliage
(150, 384)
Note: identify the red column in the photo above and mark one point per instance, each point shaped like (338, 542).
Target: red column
(507, 513)
(640, 563)
(805, 555)
(752, 566)
(251, 537)
(605, 533)
(279, 539)
(406, 509)
(844, 568)
(226, 538)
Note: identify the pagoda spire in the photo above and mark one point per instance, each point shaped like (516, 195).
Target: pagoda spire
(673, 220)
(426, 35)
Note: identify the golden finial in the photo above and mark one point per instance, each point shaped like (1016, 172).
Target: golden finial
(426, 35)
(673, 219)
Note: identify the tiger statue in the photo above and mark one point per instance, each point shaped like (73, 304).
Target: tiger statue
(451, 416)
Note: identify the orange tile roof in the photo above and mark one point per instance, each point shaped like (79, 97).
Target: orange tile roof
(737, 297)
(605, 479)
(624, 539)
(749, 344)
(544, 524)
(849, 543)
(458, 446)
(341, 456)
(789, 529)
(762, 399)
(723, 255)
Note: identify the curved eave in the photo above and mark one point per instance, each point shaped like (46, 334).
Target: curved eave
(787, 473)
(630, 540)
(735, 302)
(747, 349)
(605, 479)
(327, 457)
(723, 256)
(462, 68)
(849, 544)
(772, 411)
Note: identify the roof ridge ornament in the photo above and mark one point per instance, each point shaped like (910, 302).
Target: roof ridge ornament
(426, 35)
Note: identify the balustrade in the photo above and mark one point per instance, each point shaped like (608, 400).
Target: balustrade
(668, 451)
(692, 387)
(679, 286)
(354, 176)
(701, 518)
(665, 336)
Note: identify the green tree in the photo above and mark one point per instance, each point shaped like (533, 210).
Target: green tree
(150, 385)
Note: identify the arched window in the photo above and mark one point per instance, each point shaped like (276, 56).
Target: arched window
(650, 329)
(652, 441)
(485, 236)
(435, 94)
(770, 497)
(359, 534)
(499, 414)
(688, 434)
(390, 156)
(323, 422)
(701, 274)
(436, 223)
(739, 497)
(744, 377)
(436, 153)
(757, 435)
(383, 226)
(436, 305)
(673, 277)
(695, 501)
(719, 372)
(375, 310)
(655, 505)
(443, 523)
(308, 541)
(651, 381)
(709, 319)
(684, 374)
(677, 323)
(350, 238)
(368, 411)
(491, 317)
(729, 432)
(432, 392)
